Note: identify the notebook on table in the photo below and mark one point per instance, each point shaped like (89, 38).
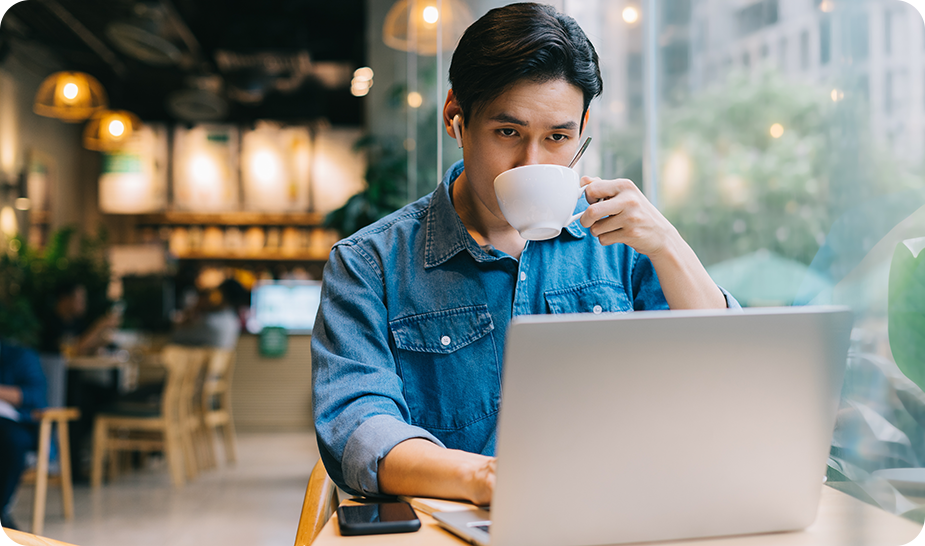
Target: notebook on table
(662, 425)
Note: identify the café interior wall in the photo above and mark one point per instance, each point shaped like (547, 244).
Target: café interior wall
(73, 168)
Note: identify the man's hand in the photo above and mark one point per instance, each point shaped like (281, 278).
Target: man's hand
(11, 394)
(482, 482)
(620, 213)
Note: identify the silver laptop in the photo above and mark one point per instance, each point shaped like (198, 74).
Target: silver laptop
(662, 425)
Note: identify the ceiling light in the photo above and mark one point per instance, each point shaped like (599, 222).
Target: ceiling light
(630, 14)
(108, 130)
(411, 25)
(431, 14)
(69, 96)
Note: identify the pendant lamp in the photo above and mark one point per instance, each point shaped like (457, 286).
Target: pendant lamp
(411, 25)
(69, 96)
(108, 130)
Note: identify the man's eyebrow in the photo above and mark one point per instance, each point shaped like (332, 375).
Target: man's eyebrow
(507, 118)
(568, 125)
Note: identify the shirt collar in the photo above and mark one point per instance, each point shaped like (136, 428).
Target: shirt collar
(445, 233)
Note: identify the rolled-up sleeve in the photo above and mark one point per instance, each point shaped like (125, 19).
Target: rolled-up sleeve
(359, 408)
(731, 302)
(648, 293)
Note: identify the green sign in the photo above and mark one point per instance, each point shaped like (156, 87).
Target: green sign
(274, 342)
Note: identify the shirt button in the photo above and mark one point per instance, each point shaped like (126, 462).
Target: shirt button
(445, 340)
(523, 276)
(597, 309)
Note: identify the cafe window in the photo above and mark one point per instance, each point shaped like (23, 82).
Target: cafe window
(857, 35)
(887, 32)
(782, 54)
(825, 40)
(804, 50)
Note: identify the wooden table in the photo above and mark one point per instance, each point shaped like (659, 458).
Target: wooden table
(841, 520)
(26, 539)
(96, 362)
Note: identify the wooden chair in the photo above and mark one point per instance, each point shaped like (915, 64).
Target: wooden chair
(320, 502)
(146, 429)
(192, 429)
(39, 474)
(9, 537)
(216, 403)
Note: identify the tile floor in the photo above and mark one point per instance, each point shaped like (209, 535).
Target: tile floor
(257, 502)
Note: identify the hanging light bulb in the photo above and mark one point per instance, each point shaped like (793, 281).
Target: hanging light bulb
(452, 17)
(108, 130)
(69, 96)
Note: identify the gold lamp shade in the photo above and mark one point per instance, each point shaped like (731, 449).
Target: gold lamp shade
(411, 25)
(108, 130)
(70, 96)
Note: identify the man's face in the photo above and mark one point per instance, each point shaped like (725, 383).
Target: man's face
(528, 124)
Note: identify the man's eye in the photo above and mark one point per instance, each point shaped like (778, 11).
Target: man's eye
(507, 132)
(559, 138)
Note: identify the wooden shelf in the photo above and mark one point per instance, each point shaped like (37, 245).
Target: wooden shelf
(265, 255)
(247, 218)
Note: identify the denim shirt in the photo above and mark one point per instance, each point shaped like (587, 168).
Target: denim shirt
(409, 337)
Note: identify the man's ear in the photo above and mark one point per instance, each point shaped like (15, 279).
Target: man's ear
(584, 121)
(452, 117)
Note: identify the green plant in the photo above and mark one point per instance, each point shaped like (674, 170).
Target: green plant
(386, 176)
(18, 321)
(30, 278)
(906, 309)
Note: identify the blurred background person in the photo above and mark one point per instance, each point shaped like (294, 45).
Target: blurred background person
(22, 389)
(66, 330)
(67, 333)
(214, 318)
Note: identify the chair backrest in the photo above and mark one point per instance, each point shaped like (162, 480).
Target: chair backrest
(320, 502)
(177, 361)
(220, 369)
(221, 363)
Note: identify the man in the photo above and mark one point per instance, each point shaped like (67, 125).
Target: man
(408, 342)
(22, 389)
(66, 330)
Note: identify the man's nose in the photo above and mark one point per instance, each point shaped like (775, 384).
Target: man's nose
(531, 154)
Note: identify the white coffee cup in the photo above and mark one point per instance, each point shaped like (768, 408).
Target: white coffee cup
(538, 200)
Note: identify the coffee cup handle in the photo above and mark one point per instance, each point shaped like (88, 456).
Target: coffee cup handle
(577, 216)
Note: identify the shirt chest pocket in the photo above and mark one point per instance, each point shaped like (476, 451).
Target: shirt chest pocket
(589, 297)
(449, 366)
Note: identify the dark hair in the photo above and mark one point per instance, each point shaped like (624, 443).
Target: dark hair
(234, 293)
(65, 288)
(519, 41)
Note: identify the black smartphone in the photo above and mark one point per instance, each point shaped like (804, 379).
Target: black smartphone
(377, 518)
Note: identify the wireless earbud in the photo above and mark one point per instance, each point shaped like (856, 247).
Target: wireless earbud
(456, 133)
